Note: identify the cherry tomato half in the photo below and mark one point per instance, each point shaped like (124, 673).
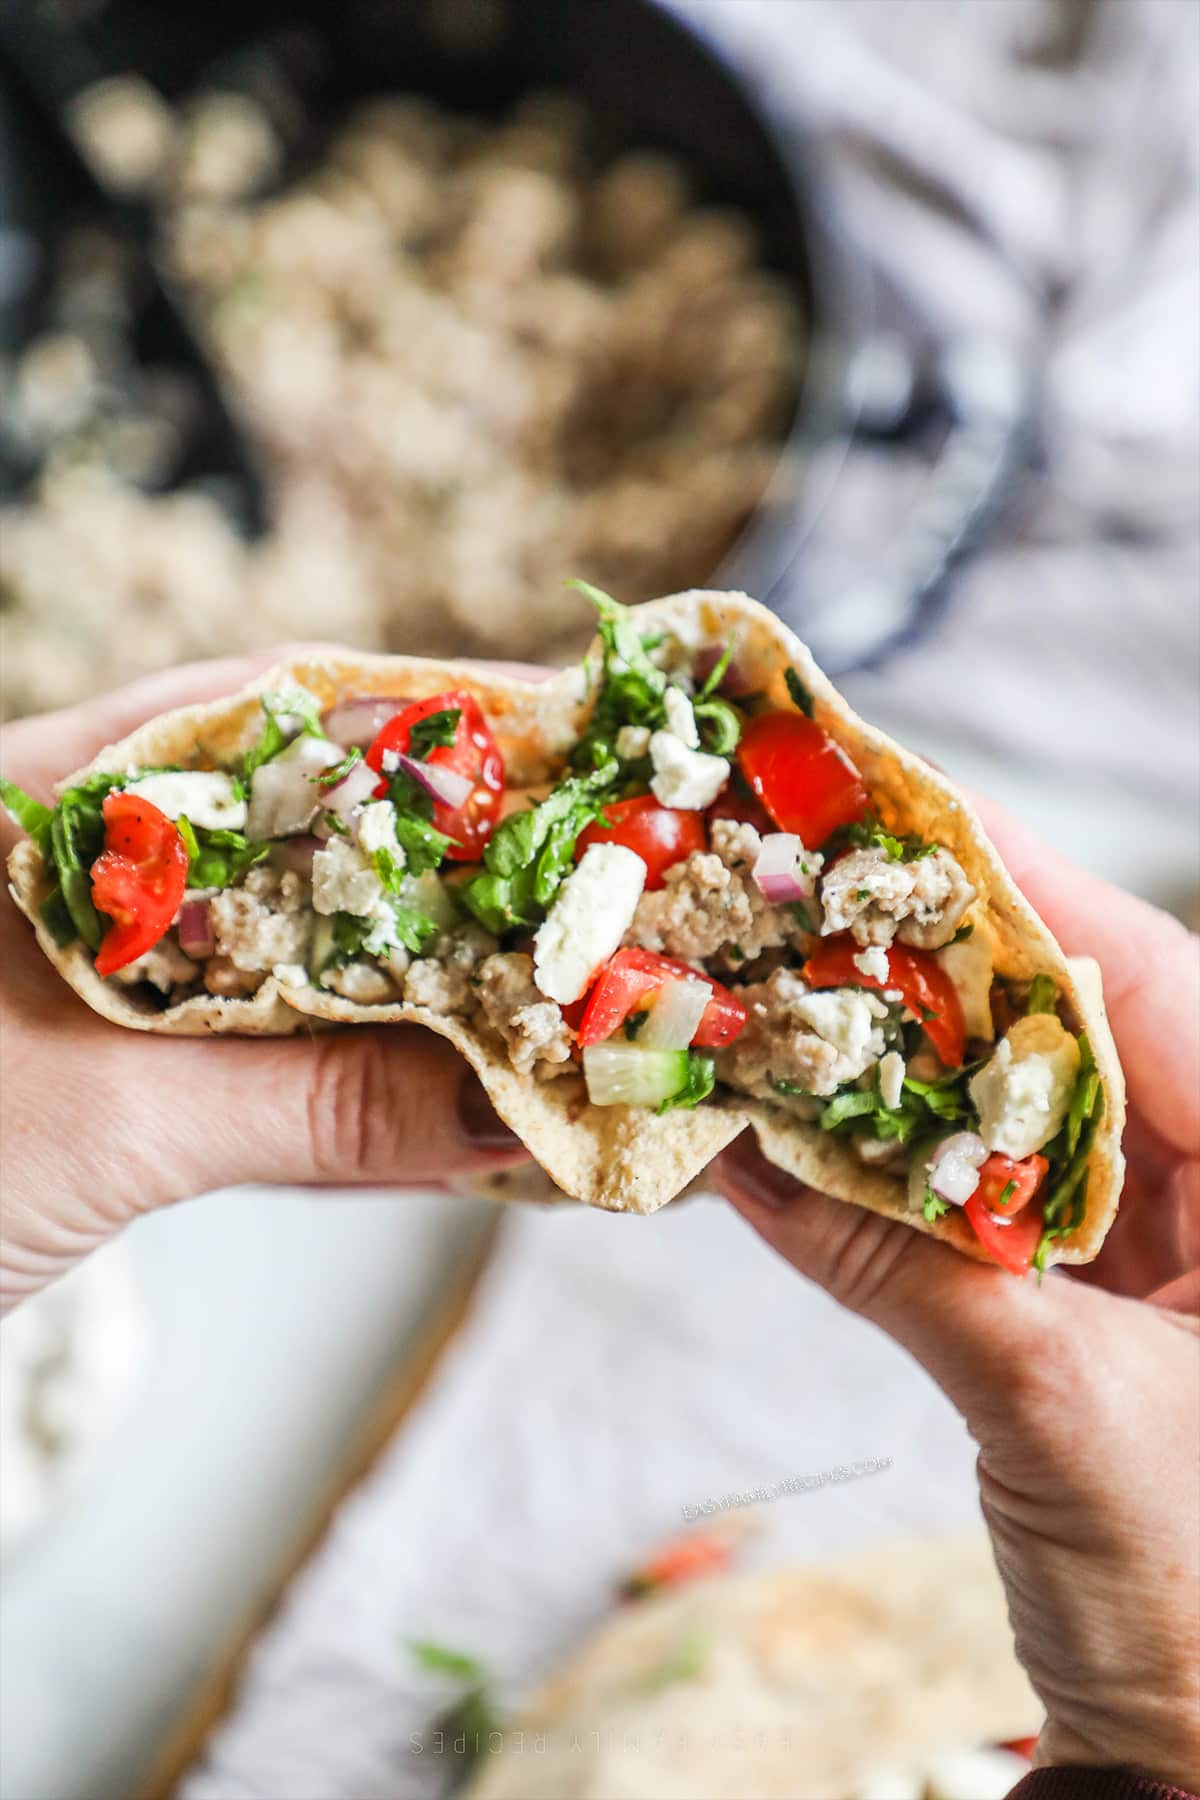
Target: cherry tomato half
(473, 754)
(631, 975)
(731, 803)
(924, 986)
(1026, 1176)
(1010, 1242)
(806, 782)
(660, 835)
(138, 879)
(686, 1559)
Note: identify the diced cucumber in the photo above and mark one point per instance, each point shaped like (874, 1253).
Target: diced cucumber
(624, 1074)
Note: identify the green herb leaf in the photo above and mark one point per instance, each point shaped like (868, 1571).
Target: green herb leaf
(718, 671)
(1006, 1193)
(327, 778)
(634, 1024)
(444, 1661)
(530, 853)
(962, 934)
(423, 845)
(868, 833)
(33, 818)
(57, 919)
(76, 840)
(801, 697)
(719, 725)
(1043, 995)
(933, 1205)
(683, 1663)
(218, 858)
(631, 685)
(701, 1080)
(1066, 1204)
(292, 704)
(436, 730)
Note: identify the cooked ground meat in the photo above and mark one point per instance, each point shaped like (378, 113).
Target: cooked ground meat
(445, 980)
(533, 1027)
(228, 982)
(267, 920)
(814, 1041)
(710, 906)
(877, 900)
(165, 967)
(362, 982)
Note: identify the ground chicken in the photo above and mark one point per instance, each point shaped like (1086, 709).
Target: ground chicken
(710, 905)
(224, 979)
(362, 982)
(876, 900)
(444, 981)
(164, 967)
(814, 1041)
(533, 1027)
(267, 920)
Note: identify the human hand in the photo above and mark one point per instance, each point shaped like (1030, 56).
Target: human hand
(100, 1124)
(1083, 1394)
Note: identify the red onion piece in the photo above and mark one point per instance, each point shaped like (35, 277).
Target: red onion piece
(733, 684)
(779, 871)
(355, 788)
(954, 1166)
(359, 718)
(196, 929)
(675, 1015)
(298, 852)
(444, 785)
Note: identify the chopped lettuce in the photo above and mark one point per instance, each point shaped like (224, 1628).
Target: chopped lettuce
(719, 726)
(1068, 1153)
(1043, 995)
(76, 840)
(33, 818)
(926, 1108)
(530, 853)
(217, 858)
(631, 684)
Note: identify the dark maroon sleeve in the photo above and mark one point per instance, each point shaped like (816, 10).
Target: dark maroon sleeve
(1094, 1784)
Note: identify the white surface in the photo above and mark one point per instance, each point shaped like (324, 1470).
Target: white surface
(616, 1372)
(273, 1317)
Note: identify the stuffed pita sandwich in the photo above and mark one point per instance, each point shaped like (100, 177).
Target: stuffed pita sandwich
(679, 891)
(880, 1675)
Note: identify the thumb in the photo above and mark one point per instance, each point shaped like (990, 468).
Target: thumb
(963, 1321)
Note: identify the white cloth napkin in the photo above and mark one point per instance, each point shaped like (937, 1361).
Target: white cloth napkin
(614, 1372)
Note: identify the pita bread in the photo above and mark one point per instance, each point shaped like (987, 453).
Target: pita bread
(795, 1684)
(623, 1159)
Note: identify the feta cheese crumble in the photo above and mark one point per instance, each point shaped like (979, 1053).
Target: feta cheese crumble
(681, 720)
(1023, 1092)
(845, 1018)
(633, 741)
(689, 779)
(872, 962)
(590, 916)
(891, 1079)
(376, 825)
(344, 881)
(209, 799)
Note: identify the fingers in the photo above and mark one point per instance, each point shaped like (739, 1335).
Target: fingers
(1151, 969)
(966, 1323)
(392, 1104)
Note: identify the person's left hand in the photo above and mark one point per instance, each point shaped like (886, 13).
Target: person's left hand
(100, 1124)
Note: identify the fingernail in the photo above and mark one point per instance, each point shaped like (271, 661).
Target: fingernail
(478, 1119)
(748, 1171)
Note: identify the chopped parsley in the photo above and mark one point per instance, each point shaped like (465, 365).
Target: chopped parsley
(327, 778)
(962, 934)
(933, 1206)
(869, 834)
(470, 1723)
(291, 713)
(1006, 1193)
(631, 685)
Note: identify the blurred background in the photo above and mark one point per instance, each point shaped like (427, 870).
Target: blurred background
(376, 324)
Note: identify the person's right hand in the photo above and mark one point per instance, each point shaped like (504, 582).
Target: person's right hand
(1083, 1394)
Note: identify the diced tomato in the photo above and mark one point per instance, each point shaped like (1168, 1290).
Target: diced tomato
(732, 803)
(631, 975)
(138, 879)
(1010, 1242)
(924, 985)
(660, 835)
(806, 781)
(1021, 1747)
(1027, 1177)
(473, 753)
(684, 1560)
